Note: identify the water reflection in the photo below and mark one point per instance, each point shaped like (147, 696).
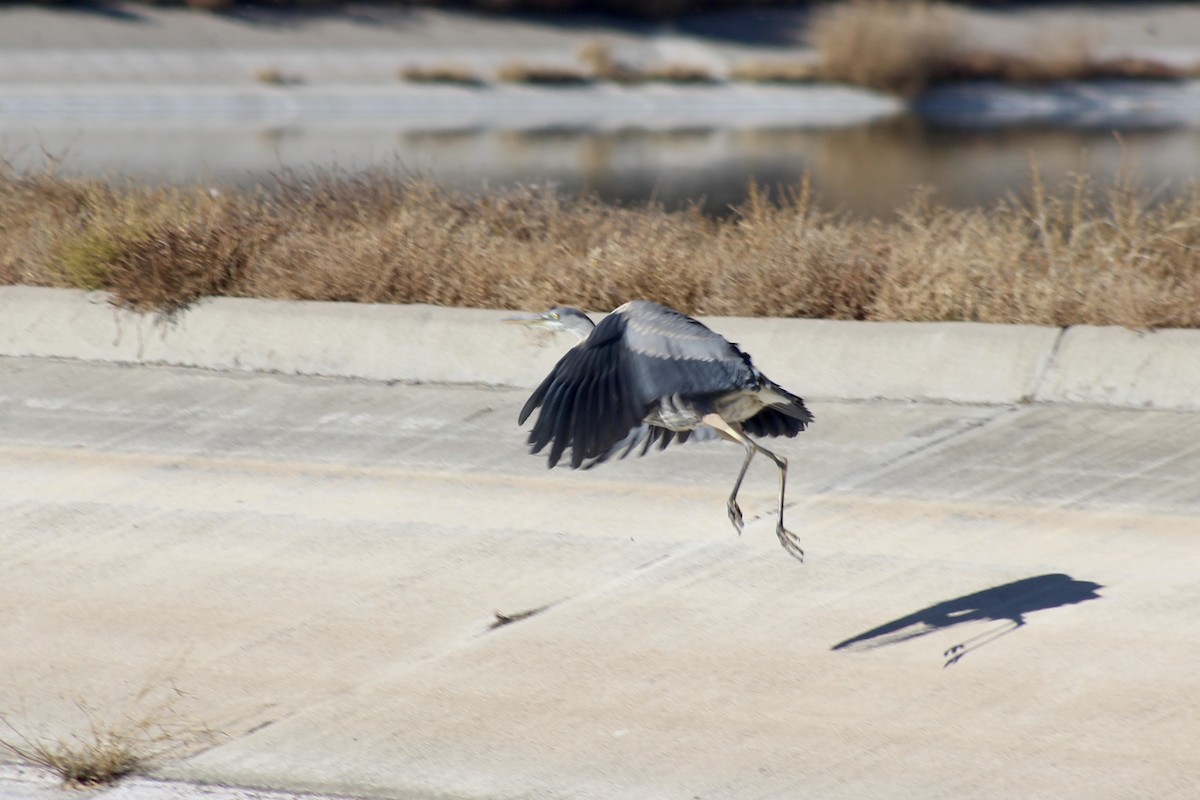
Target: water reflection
(868, 170)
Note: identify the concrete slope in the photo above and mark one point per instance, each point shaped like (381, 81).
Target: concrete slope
(344, 586)
(957, 362)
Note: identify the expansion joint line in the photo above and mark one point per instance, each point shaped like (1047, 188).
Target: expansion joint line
(1048, 365)
(873, 471)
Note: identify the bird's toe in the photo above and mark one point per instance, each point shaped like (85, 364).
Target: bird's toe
(790, 542)
(735, 516)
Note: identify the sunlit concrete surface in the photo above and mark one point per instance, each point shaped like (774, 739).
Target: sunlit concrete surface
(304, 579)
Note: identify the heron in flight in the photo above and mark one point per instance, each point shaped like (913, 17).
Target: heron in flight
(648, 374)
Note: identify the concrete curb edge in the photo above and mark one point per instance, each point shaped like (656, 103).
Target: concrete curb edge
(903, 361)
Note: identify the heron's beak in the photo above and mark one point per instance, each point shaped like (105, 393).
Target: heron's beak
(528, 320)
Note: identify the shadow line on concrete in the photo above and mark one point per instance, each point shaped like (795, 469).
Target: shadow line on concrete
(1007, 604)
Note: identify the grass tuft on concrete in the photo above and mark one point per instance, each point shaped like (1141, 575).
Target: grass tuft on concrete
(1079, 253)
(143, 734)
(104, 757)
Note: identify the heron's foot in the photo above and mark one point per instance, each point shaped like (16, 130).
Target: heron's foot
(790, 542)
(735, 516)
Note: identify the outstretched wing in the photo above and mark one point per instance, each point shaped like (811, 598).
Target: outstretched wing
(599, 393)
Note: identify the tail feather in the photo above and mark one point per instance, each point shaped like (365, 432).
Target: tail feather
(785, 402)
(785, 414)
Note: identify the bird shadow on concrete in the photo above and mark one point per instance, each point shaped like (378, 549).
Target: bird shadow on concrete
(1008, 604)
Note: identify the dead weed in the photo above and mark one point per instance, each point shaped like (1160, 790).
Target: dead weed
(905, 46)
(1076, 254)
(147, 731)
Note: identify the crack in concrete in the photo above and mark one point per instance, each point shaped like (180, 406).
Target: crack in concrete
(502, 619)
(1050, 363)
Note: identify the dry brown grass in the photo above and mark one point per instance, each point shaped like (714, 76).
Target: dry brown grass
(905, 46)
(440, 73)
(275, 76)
(1078, 254)
(134, 739)
(678, 73)
(890, 45)
(541, 74)
(158, 248)
(775, 71)
(596, 55)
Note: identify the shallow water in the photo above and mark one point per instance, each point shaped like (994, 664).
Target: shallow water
(868, 170)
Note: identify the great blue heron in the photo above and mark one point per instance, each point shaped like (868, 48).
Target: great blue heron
(647, 374)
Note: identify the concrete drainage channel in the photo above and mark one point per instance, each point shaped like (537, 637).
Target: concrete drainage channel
(935, 527)
(901, 361)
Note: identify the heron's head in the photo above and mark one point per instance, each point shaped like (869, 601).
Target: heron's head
(559, 318)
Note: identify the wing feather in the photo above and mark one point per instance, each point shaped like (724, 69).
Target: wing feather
(772, 421)
(560, 423)
(536, 399)
(621, 448)
(543, 428)
(586, 420)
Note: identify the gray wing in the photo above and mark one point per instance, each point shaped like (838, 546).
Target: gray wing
(673, 354)
(595, 399)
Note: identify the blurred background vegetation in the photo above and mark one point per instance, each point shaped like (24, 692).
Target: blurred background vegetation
(639, 8)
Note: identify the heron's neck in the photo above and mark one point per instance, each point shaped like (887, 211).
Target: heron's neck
(580, 327)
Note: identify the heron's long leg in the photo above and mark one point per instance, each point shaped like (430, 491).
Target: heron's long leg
(735, 511)
(789, 540)
(959, 650)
